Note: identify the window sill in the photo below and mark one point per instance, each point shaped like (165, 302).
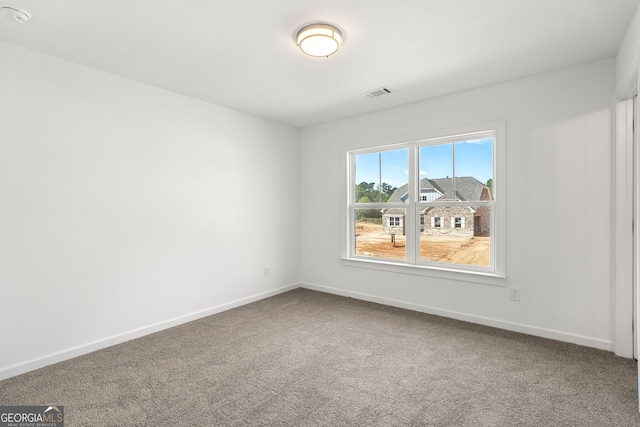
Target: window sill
(420, 270)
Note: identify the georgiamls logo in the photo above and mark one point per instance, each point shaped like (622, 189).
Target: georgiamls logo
(32, 416)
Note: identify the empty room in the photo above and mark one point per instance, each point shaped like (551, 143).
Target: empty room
(328, 213)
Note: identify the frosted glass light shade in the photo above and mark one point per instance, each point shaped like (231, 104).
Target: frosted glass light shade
(319, 39)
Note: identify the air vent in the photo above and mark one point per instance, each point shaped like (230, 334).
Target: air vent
(378, 92)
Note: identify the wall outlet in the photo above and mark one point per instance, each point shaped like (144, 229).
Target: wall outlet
(266, 270)
(514, 294)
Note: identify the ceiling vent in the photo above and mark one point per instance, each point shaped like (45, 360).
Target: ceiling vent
(378, 92)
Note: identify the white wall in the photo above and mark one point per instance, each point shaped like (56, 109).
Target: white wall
(558, 207)
(126, 209)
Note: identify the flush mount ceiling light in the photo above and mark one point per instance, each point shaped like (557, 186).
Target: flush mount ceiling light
(319, 39)
(20, 15)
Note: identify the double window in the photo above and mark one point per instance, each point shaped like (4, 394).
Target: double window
(429, 203)
(394, 221)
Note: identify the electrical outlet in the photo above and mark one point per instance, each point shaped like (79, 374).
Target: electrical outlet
(514, 294)
(266, 270)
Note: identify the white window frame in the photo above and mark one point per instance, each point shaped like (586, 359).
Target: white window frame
(493, 275)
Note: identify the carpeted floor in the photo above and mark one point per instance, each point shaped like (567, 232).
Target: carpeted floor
(306, 358)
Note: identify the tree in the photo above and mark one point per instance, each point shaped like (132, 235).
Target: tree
(387, 191)
(366, 192)
(367, 189)
(490, 185)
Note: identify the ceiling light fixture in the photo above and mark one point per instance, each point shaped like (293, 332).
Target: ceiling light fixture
(20, 15)
(319, 39)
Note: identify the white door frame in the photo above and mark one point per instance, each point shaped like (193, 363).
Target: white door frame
(624, 212)
(623, 227)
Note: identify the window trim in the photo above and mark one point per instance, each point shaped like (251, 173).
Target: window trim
(494, 276)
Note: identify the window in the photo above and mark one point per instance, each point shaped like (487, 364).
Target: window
(379, 211)
(429, 195)
(429, 203)
(394, 221)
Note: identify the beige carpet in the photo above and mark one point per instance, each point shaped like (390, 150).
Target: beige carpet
(306, 358)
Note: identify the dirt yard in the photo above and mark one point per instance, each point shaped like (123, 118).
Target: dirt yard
(372, 241)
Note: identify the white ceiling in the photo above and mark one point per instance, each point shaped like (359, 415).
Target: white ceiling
(241, 53)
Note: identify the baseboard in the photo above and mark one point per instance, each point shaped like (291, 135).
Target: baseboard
(486, 321)
(50, 359)
(70, 353)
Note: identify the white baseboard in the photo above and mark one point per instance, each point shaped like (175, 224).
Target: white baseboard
(486, 321)
(70, 353)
